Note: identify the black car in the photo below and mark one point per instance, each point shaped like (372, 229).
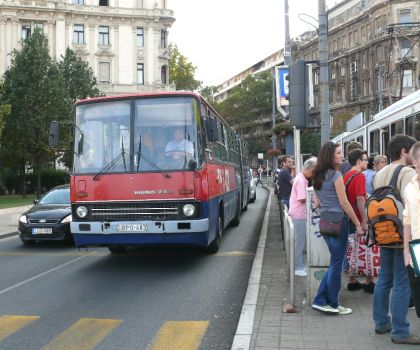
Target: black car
(49, 219)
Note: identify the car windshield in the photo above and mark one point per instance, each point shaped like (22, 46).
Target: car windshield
(58, 196)
(160, 135)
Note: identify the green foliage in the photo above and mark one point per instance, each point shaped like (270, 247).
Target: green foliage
(181, 71)
(207, 92)
(247, 103)
(80, 82)
(310, 142)
(49, 178)
(283, 127)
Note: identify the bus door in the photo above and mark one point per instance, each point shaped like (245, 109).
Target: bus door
(384, 140)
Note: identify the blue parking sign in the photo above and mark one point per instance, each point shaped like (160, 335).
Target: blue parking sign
(282, 85)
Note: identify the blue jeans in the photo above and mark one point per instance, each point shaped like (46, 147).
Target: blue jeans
(331, 282)
(392, 275)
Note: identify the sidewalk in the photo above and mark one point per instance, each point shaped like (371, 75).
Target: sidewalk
(9, 219)
(308, 328)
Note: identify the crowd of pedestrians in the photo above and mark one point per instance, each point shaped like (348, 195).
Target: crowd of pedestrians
(342, 193)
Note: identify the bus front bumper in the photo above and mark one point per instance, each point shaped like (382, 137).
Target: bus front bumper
(193, 232)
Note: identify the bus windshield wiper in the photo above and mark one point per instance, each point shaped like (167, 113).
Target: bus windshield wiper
(148, 161)
(112, 163)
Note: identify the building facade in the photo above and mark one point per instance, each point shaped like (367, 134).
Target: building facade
(373, 57)
(124, 41)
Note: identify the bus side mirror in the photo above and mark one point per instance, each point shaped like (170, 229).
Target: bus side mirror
(211, 130)
(53, 140)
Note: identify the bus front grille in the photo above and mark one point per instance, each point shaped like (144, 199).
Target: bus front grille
(136, 211)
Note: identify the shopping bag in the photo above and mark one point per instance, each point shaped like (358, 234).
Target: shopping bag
(362, 260)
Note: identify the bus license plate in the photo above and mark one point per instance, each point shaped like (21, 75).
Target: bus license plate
(42, 231)
(132, 228)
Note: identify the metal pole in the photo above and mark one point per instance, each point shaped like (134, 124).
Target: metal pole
(323, 72)
(380, 88)
(287, 50)
(292, 261)
(273, 117)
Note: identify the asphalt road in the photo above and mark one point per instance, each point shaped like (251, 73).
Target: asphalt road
(53, 296)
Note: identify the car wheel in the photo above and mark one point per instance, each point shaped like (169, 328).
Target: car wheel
(214, 246)
(252, 200)
(117, 249)
(27, 241)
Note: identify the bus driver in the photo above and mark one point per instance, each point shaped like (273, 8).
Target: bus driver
(179, 147)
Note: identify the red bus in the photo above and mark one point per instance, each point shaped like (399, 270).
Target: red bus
(158, 168)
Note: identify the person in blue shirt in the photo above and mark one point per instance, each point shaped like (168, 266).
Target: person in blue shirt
(179, 147)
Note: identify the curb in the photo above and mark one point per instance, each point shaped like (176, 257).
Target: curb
(6, 235)
(242, 339)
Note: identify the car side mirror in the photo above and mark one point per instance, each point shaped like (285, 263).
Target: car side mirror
(211, 129)
(80, 144)
(192, 164)
(53, 139)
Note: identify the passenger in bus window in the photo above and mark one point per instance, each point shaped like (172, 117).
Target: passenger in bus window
(179, 147)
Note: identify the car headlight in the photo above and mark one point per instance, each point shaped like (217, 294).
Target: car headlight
(188, 209)
(81, 211)
(23, 220)
(66, 219)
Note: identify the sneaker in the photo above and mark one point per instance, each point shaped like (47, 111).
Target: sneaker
(344, 310)
(369, 288)
(325, 308)
(354, 286)
(412, 339)
(301, 273)
(411, 304)
(383, 330)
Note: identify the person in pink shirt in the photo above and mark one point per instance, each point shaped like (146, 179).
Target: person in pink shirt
(297, 212)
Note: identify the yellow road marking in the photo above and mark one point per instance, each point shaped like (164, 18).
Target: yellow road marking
(179, 335)
(234, 253)
(12, 324)
(85, 334)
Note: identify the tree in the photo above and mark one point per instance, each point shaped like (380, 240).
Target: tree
(34, 87)
(246, 105)
(207, 92)
(181, 71)
(80, 83)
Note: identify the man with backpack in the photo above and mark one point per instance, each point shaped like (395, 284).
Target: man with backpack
(384, 209)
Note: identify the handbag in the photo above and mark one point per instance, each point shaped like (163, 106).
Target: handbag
(331, 223)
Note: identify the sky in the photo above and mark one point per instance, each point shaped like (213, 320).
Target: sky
(224, 37)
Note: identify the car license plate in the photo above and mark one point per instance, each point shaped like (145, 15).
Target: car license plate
(42, 231)
(132, 228)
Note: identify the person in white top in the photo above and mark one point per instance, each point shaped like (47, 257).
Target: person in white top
(179, 147)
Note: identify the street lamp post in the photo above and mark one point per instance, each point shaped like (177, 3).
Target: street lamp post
(273, 117)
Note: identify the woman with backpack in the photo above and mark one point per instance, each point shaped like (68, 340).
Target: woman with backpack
(331, 194)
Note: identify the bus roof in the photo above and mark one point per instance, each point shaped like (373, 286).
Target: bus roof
(145, 94)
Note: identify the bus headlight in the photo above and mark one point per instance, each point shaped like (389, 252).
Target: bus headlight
(188, 210)
(23, 220)
(81, 212)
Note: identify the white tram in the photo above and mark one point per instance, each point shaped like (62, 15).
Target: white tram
(402, 117)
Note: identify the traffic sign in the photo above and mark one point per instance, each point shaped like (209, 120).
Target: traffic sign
(282, 86)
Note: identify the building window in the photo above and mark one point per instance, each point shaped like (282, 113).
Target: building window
(104, 72)
(103, 3)
(140, 37)
(342, 70)
(140, 73)
(408, 78)
(333, 73)
(164, 75)
(405, 16)
(316, 78)
(26, 30)
(79, 2)
(163, 39)
(39, 26)
(405, 46)
(103, 35)
(78, 34)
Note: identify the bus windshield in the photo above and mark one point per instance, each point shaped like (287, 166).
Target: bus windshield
(160, 136)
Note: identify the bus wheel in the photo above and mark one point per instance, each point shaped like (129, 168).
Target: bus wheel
(215, 245)
(117, 249)
(237, 219)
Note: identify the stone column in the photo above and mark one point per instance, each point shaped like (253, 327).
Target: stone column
(91, 47)
(8, 25)
(115, 63)
(61, 37)
(3, 49)
(15, 32)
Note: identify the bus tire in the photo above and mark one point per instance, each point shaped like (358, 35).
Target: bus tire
(237, 219)
(214, 246)
(117, 249)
